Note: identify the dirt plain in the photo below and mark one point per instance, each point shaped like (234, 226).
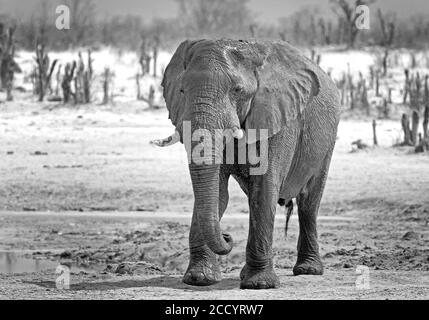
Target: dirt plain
(82, 185)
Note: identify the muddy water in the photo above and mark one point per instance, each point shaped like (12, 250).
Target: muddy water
(14, 262)
(17, 262)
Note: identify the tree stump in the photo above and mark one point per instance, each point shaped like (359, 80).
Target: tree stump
(426, 112)
(374, 132)
(426, 122)
(67, 79)
(406, 85)
(405, 122)
(414, 127)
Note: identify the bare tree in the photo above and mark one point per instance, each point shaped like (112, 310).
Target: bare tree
(426, 112)
(214, 18)
(8, 65)
(82, 15)
(107, 85)
(388, 33)
(67, 80)
(301, 28)
(346, 12)
(325, 30)
(44, 71)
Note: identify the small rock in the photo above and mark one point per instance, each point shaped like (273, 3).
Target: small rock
(347, 265)
(109, 268)
(328, 255)
(123, 268)
(39, 153)
(411, 235)
(66, 255)
(29, 209)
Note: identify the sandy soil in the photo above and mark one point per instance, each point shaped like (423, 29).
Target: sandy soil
(86, 187)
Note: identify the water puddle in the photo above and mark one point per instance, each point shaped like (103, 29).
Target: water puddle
(12, 262)
(18, 262)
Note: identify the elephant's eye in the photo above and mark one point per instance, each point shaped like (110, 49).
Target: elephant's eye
(238, 89)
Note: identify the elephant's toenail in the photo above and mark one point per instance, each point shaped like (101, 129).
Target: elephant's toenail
(198, 276)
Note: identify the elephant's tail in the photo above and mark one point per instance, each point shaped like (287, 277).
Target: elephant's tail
(289, 211)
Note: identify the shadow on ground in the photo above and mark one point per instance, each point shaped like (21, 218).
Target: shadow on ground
(157, 282)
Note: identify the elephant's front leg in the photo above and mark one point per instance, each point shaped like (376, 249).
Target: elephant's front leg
(258, 273)
(203, 269)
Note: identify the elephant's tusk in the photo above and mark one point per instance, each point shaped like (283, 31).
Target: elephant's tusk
(237, 133)
(174, 138)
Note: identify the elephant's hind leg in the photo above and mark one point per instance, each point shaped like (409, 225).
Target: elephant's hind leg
(203, 269)
(309, 261)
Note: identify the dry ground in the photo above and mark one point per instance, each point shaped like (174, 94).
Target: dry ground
(87, 187)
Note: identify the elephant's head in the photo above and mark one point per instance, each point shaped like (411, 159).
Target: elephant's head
(236, 85)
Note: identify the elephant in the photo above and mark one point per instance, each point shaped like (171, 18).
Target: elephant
(244, 86)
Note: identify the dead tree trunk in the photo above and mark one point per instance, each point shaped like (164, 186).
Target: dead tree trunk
(389, 95)
(426, 122)
(67, 80)
(374, 132)
(58, 81)
(87, 79)
(155, 60)
(388, 33)
(155, 56)
(371, 77)
(144, 58)
(384, 61)
(347, 16)
(352, 97)
(364, 99)
(151, 97)
(377, 84)
(405, 122)
(406, 85)
(44, 71)
(83, 80)
(139, 95)
(426, 112)
(385, 109)
(8, 65)
(414, 127)
(107, 78)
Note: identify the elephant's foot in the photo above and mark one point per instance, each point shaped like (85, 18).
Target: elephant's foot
(203, 270)
(258, 279)
(308, 266)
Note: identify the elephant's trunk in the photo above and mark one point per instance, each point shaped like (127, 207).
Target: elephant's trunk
(205, 182)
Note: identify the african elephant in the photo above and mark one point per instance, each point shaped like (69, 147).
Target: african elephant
(242, 86)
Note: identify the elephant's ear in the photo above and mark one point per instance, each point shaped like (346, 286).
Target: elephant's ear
(286, 84)
(172, 83)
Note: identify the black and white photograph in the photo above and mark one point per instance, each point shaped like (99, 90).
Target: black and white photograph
(218, 150)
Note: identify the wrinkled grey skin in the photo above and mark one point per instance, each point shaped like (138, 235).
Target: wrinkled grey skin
(254, 85)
